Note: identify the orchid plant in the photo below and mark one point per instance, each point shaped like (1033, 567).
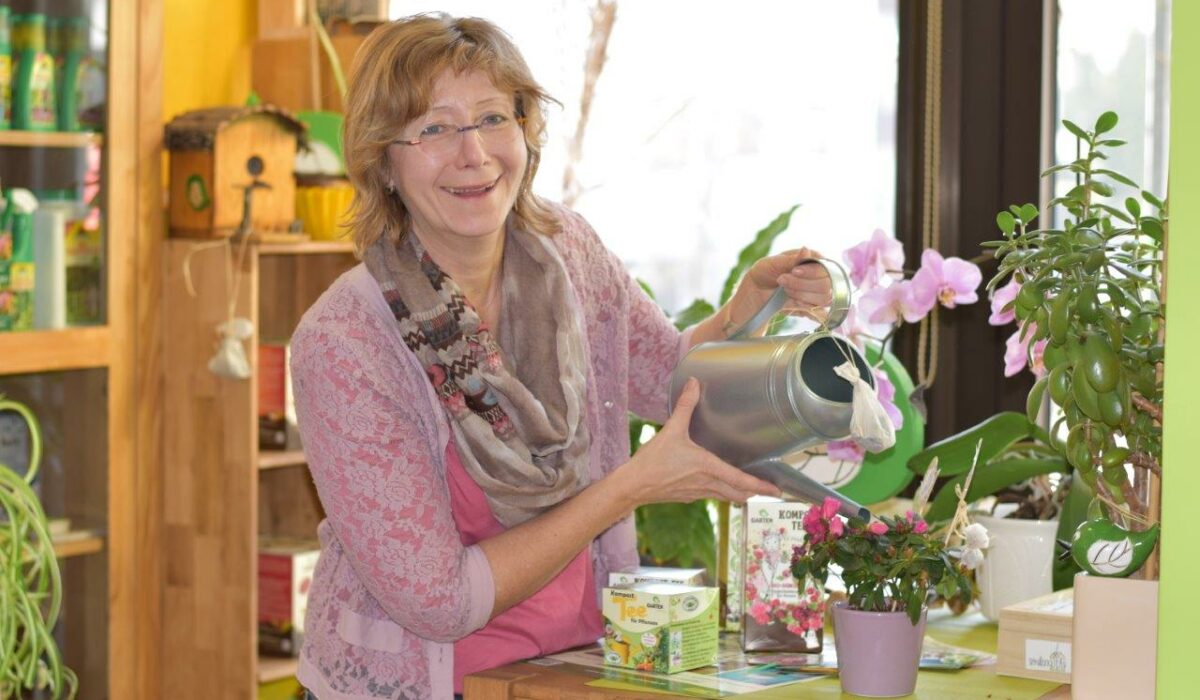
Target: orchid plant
(886, 297)
(893, 564)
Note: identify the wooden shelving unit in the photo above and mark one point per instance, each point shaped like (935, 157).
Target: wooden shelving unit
(272, 668)
(268, 459)
(49, 139)
(76, 547)
(222, 493)
(95, 389)
(54, 351)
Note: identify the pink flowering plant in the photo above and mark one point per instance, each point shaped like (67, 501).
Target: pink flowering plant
(893, 564)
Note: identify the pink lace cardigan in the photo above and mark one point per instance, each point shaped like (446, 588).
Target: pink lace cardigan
(394, 586)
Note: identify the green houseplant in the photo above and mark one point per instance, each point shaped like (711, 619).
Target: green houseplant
(1088, 303)
(30, 584)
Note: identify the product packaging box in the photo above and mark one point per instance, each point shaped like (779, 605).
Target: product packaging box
(660, 627)
(272, 396)
(657, 574)
(285, 570)
(730, 570)
(778, 613)
(16, 272)
(1035, 638)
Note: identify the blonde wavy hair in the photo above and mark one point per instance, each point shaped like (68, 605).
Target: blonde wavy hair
(392, 84)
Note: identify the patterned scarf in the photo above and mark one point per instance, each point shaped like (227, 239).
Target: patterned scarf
(518, 416)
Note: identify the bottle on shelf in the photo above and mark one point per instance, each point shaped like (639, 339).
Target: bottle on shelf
(33, 82)
(6, 75)
(16, 261)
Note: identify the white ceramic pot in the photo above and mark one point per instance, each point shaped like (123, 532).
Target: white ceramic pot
(1019, 562)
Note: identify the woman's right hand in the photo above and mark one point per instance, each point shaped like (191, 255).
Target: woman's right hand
(673, 469)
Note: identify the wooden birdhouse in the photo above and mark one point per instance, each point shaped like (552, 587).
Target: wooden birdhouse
(216, 154)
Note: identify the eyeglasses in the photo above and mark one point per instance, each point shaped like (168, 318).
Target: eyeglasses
(445, 139)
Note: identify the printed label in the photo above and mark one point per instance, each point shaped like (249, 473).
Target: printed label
(1046, 655)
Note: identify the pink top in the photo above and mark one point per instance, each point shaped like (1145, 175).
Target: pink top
(396, 586)
(563, 614)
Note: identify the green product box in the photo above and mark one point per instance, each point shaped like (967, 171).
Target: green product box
(660, 627)
(16, 275)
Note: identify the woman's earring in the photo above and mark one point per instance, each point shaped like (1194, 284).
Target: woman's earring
(391, 189)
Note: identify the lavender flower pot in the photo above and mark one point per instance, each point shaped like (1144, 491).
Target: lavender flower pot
(877, 653)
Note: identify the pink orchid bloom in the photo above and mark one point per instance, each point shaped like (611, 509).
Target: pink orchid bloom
(845, 451)
(872, 260)
(1018, 354)
(877, 528)
(856, 328)
(948, 281)
(890, 304)
(887, 398)
(1001, 298)
(1036, 364)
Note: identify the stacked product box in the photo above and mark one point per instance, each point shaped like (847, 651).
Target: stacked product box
(285, 571)
(660, 627)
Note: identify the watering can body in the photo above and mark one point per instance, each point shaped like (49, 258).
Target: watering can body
(762, 399)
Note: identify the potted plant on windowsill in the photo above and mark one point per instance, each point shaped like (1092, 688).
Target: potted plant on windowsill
(892, 568)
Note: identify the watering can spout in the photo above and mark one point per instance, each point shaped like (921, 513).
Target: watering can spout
(795, 483)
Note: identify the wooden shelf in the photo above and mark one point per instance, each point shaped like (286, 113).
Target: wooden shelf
(50, 139)
(306, 248)
(272, 459)
(24, 352)
(274, 668)
(78, 546)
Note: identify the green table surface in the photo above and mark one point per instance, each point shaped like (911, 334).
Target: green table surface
(971, 630)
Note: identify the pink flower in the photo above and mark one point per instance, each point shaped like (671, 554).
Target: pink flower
(921, 527)
(948, 281)
(836, 528)
(857, 329)
(871, 260)
(887, 398)
(877, 528)
(760, 612)
(1001, 298)
(829, 508)
(845, 450)
(1018, 354)
(813, 525)
(1036, 364)
(890, 304)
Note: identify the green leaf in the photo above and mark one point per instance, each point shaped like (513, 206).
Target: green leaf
(1117, 177)
(1006, 222)
(1100, 188)
(1074, 129)
(1153, 228)
(1151, 199)
(1059, 168)
(693, 314)
(1134, 208)
(1029, 212)
(1111, 142)
(991, 477)
(758, 249)
(954, 453)
(677, 534)
(646, 288)
(1074, 512)
(1106, 122)
(1113, 211)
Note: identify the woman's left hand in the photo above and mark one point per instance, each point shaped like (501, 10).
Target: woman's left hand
(809, 289)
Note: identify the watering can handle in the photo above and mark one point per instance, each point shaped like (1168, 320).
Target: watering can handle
(837, 308)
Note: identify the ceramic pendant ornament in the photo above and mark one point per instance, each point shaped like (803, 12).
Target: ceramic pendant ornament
(1103, 548)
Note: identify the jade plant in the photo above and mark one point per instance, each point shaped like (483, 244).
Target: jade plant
(1087, 297)
(30, 587)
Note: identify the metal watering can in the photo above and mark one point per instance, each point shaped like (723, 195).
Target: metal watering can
(762, 399)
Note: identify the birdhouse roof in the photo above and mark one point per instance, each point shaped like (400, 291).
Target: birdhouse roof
(197, 130)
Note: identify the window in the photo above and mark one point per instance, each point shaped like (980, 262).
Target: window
(709, 120)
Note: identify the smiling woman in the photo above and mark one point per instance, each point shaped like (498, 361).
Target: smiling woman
(463, 395)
